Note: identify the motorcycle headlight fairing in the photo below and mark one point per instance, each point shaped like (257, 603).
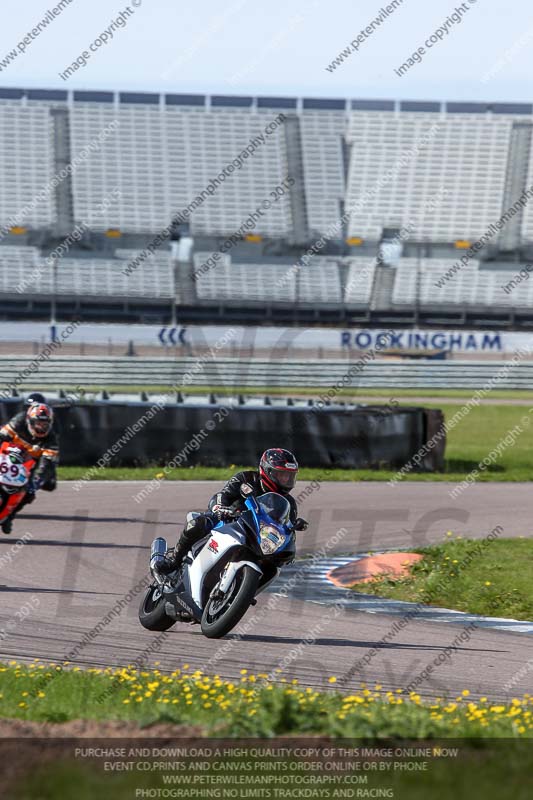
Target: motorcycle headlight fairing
(271, 539)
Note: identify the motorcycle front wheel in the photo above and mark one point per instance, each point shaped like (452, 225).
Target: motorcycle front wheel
(221, 614)
(152, 613)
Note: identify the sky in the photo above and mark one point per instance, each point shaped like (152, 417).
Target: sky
(279, 47)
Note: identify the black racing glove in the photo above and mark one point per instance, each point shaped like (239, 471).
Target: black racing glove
(223, 513)
(301, 524)
(46, 476)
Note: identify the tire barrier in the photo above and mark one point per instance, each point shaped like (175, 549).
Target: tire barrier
(109, 433)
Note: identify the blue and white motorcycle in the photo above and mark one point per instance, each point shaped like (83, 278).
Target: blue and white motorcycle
(222, 573)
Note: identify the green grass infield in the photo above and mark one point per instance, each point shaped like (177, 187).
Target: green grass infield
(491, 577)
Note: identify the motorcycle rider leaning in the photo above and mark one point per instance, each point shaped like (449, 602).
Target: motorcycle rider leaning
(33, 431)
(277, 472)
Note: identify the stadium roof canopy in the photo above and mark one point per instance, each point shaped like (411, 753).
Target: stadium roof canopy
(251, 102)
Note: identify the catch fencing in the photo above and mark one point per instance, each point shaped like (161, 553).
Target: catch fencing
(101, 372)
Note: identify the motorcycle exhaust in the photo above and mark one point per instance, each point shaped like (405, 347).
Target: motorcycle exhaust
(157, 557)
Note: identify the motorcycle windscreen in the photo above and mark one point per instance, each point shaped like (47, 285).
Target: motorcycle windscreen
(276, 506)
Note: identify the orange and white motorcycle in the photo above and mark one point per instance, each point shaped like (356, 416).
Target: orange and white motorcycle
(16, 466)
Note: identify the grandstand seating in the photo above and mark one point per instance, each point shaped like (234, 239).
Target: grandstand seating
(26, 166)
(460, 170)
(322, 136)
(248, 282)
(359, 281)
(527, 221)
(104, 276)
(322, 281)
(443, 170)
(200, 258)
(167, 148)
(130, 160)
(469, 286)
(317, 282)
(17, 264)
(22, 269)
(162, 160)
(163, 156)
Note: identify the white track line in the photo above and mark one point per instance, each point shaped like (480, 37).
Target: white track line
(316, 588)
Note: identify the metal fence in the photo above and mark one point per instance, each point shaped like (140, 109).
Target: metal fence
(67, 372)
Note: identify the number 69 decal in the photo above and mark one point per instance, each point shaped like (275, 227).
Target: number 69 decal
(13, 474)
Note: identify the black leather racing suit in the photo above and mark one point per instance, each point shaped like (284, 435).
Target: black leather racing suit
(229, 497)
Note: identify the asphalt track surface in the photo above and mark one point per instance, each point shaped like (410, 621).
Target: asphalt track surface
(89, 549)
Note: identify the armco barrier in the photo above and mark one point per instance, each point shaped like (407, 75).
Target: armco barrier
(364, 372)
(135, 434)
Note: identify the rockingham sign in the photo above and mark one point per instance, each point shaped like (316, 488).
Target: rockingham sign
(268, 338)
(413, 340)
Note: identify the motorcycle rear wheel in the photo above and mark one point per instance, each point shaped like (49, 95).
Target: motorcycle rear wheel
(221, 616)
(152, 613)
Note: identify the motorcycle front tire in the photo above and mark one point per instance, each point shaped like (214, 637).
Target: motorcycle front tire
(215, 625)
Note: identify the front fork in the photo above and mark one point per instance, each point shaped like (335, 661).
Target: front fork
(230, 572)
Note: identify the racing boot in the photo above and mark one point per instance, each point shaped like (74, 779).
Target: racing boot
(7, 524)
(195, 528)
(175, 556)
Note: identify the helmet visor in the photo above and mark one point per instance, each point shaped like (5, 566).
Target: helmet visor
(41, 426)
(285, 478)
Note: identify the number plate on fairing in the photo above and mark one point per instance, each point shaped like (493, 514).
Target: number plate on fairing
(12, 474)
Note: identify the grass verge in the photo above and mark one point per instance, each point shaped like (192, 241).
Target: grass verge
(250, 706)
(492, 578)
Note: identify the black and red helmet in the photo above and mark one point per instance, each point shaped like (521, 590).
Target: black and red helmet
(278, 470)
(39, 419)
